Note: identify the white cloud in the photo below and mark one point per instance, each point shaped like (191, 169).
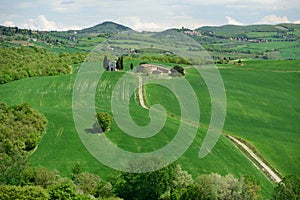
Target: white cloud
(232, 21)
(256, 4)
(9, 23)
(273, 19)
(68, 6)
(42, 23)
(137, 24)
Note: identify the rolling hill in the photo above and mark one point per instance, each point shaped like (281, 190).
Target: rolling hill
(227, 31)
(105, 27)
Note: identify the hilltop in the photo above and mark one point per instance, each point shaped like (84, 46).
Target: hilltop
(105, 27)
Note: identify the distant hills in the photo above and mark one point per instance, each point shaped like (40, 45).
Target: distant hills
(242, 31)
(226, 31)
(218, 31)
(105, 27)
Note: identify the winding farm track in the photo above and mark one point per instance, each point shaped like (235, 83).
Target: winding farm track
(262, 165)
(141, 97)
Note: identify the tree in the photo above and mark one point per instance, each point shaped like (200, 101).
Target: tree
(105, 63)
(215, 186)
(251, 188)
(11, 192)
(118, 64)
(45, 177)
(131, 66)
(177, 70)
(64, 191)
(182, 178)
(288, 188)
(180, 184)
(87, 182)
(104, 120)
(105, 190)
(121, 63)
(149, 185)
(27, 176)
(77, 169)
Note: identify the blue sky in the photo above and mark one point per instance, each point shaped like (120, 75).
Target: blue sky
(140, 15)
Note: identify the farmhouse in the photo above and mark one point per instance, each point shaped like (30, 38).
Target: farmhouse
(152, 69)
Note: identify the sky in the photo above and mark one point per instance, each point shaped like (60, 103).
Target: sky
(145, 15)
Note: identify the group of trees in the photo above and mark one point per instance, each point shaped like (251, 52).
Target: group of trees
(17, 63)
(166, 59)
(173, 183)
(160, 58)
(11, 31)
(42, 183)
(288, 188)
(169, 183)
(50, 37)
(21, 128)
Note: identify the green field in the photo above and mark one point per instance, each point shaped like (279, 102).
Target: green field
(262, 109)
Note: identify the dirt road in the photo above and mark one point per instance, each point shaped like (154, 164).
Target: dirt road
(263, 165)
(141, 98)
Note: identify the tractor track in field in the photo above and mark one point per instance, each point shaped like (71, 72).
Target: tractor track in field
(255, 160)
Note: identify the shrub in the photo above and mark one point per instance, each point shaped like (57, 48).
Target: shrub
(11, 192)
(104, 120)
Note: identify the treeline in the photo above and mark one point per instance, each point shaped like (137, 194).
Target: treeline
(18, 63)
(42, 183)
(50, 37)
(21, 128)
(161, 58)
(169, 183)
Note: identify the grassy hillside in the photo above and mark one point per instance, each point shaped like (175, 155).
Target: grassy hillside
(252, 42)
(256, 95)
(263, 109)
(259, 31)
